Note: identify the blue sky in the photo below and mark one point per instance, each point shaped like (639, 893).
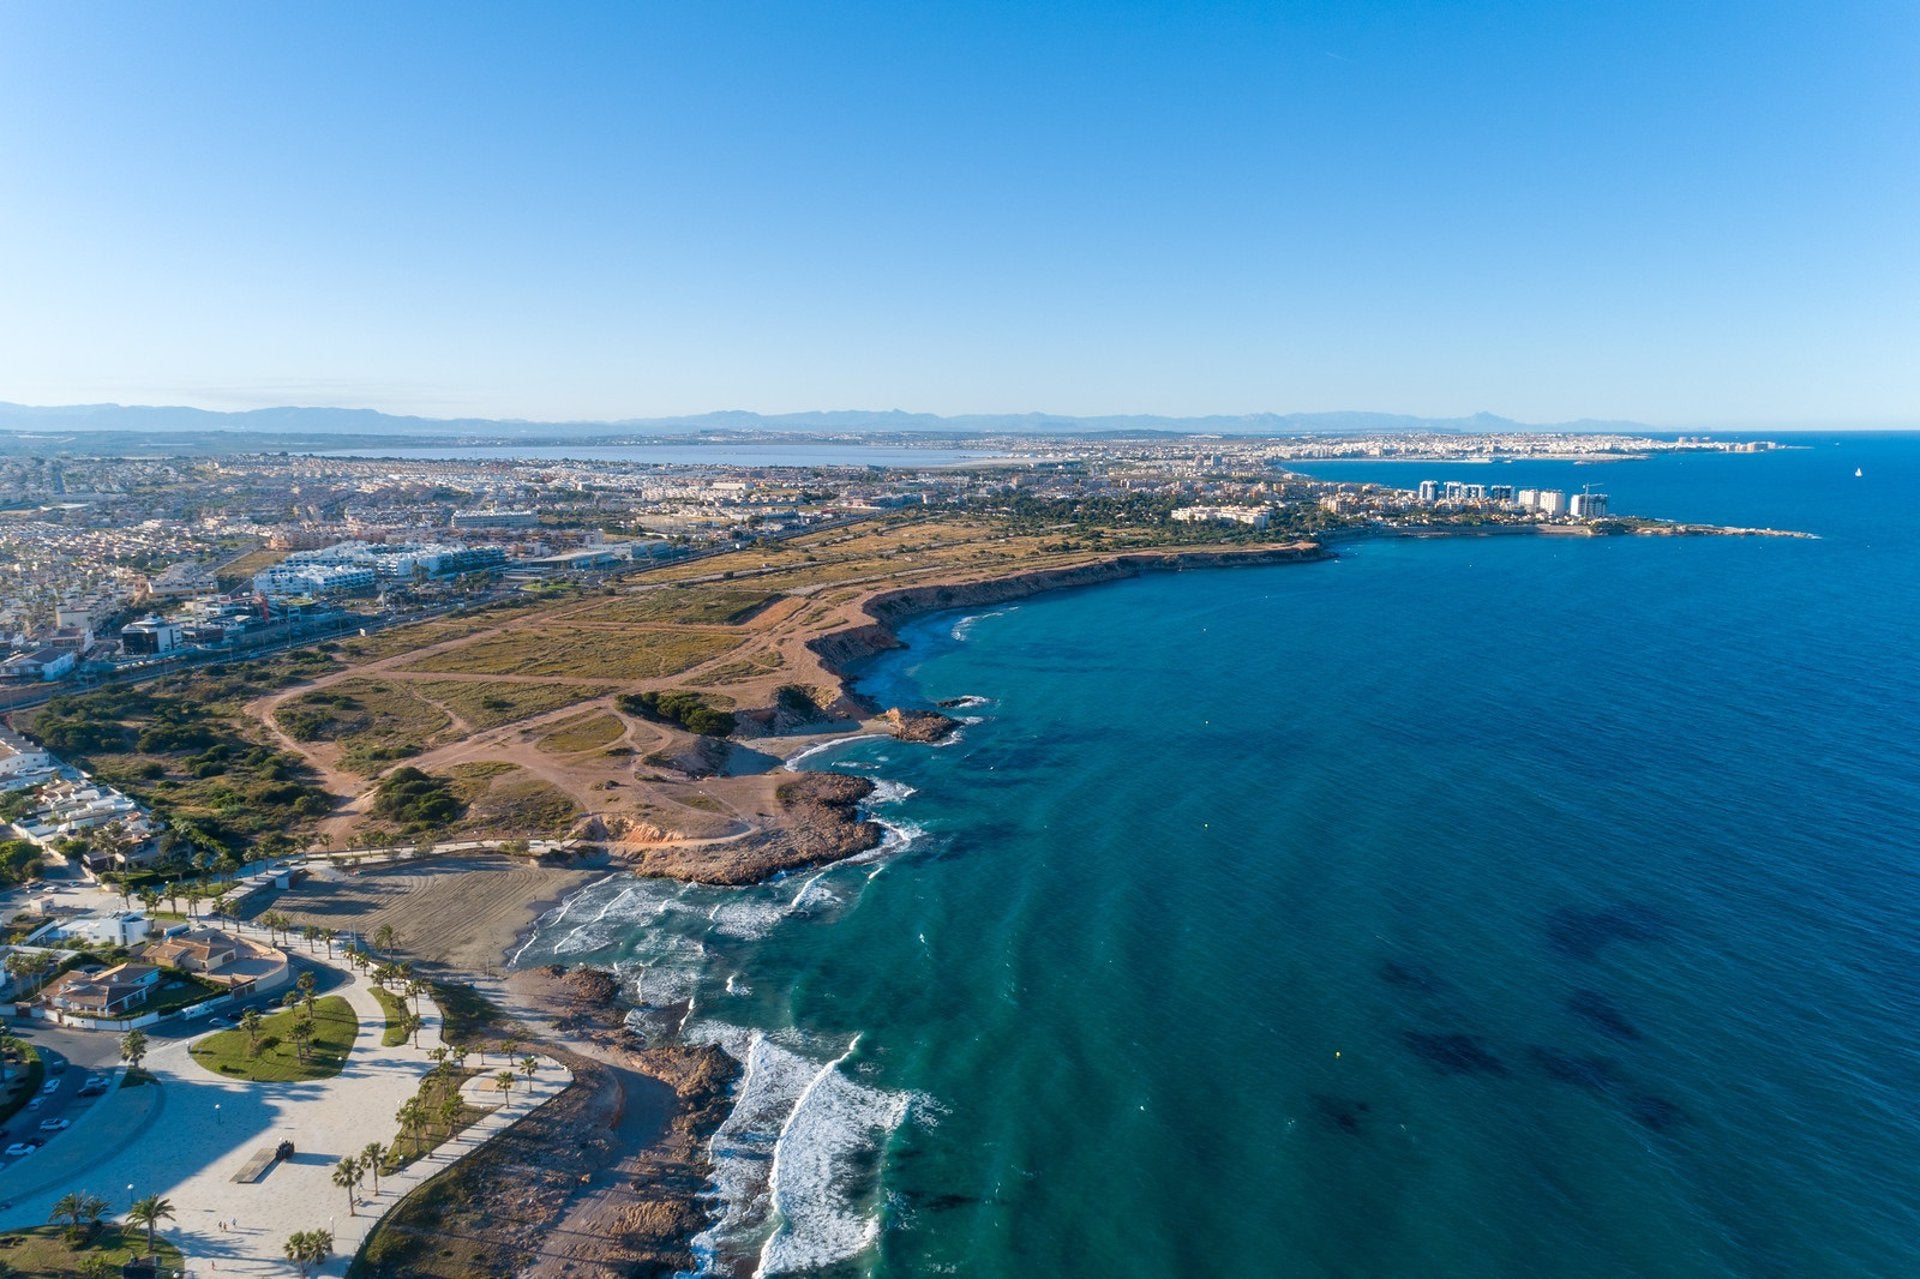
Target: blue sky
(1689, 214)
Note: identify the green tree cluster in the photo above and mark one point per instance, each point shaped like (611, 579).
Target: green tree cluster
(416, 800)
(690, 711)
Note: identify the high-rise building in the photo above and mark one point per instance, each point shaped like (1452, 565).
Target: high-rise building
(1588, 506)
(1550, 502)
(1429, 491)
(1500, 492)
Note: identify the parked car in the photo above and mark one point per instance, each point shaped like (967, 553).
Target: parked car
(92, 1089)
(223, 1020)
(50, 1087)
(55, 1125)
(19, 1148)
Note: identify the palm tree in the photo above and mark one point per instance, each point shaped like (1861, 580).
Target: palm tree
(150, 1212)
(311, 932)
(384, 938)
(370, 1156)
(450, 1108)
(133, 1048)
(150, 900)
(302, 1035)
(504, 1082)
(327, 935)
(223, 905)
(309, 1248)
(69, 1208)
(527, 1066)
(250, 1022)
(29, 966)
(412, 1024)
(81, 1210)
(412, 1117)
(346, 1175)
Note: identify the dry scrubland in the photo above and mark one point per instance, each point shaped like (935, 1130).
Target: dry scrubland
(529, 715)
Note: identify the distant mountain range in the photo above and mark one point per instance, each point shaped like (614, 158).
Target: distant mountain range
(309, 422)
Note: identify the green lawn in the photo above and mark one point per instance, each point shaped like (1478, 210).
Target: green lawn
(226, 1053)
(434, 1089)
(44, 1250)
(396, 1010)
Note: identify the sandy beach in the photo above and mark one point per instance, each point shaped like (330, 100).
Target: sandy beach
(463, 913)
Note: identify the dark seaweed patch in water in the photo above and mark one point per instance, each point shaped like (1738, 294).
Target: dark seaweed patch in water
(1343, 1113)
(1656, 1113)
(944, 1203)
(1453, 1054)
(1412, 976)
(1585, 933)
(1595, 1074)
(1603, 1013)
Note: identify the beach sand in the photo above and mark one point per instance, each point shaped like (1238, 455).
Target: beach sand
(462, 913)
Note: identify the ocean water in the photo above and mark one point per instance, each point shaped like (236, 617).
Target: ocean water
(1494, 907)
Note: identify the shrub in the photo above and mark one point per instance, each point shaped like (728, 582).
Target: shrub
(690, 711)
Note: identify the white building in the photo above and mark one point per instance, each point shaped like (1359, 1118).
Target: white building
(1545, 501)
(347, 566)
(47, 664)
(150, 635)
(314, 579)
(1587, 506)
(22, 762)
(496, 519)
(1256, 516)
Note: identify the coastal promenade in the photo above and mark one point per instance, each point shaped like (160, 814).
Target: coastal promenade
(186, 1135)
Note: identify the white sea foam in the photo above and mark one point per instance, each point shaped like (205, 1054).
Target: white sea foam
(792, 763)
(890, 792)
(965, 625)
(966, 703)
(785, 1160)
(546, 923)
(748, 917)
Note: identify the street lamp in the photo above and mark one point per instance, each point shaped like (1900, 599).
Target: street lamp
(216, 1119)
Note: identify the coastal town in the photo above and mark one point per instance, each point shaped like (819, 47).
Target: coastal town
(111, 566)
(272, 717)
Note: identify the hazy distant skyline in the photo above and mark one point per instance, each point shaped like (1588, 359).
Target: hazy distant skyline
(1691, 215)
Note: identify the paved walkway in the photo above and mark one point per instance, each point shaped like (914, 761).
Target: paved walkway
(186, 1136)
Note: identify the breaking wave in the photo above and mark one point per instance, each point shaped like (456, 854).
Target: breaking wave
(966, 624)
(793, 1162)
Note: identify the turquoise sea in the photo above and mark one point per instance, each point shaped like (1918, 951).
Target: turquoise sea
(1495, 907)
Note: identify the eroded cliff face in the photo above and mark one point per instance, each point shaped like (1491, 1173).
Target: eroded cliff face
(839, 650)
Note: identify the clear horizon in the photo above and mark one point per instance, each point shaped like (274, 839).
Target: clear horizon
(1700, 217)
